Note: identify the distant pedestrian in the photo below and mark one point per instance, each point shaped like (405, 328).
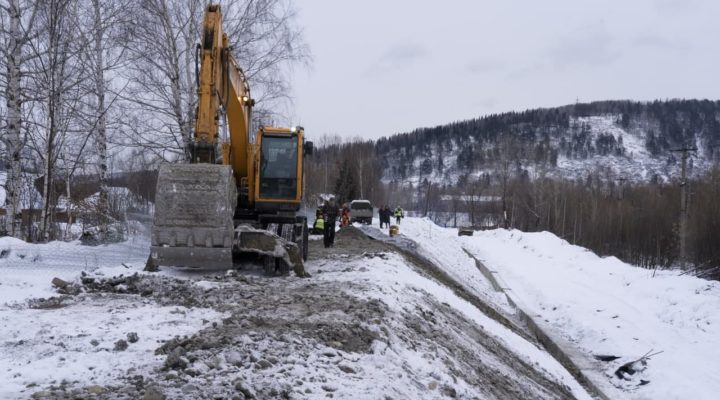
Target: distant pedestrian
(345, 217)
(384, 214)
(330, 214)
(399, 215)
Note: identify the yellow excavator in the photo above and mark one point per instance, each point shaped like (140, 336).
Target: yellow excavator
(237, 195)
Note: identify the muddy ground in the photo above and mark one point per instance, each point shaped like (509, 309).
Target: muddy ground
(294, 338)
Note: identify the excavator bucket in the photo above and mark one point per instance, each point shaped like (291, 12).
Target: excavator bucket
(194, 208)
(193, 227)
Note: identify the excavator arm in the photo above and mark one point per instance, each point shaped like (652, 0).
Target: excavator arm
(223, 95)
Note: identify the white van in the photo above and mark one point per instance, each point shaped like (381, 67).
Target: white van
(361, 211)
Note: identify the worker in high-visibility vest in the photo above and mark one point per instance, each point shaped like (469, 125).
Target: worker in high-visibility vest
(398, 215)
(319, 225)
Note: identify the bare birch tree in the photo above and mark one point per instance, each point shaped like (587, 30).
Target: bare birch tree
(163, 70)
(16, 21)
(56, 77)
(103, 25)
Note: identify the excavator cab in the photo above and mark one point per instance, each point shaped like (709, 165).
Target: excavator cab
(279, 180)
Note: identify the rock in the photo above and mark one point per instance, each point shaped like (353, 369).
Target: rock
(214, 363)
(176, 359)
(243, 388)
(347, 369)
(86, 280)
(233, 357)
(59, 283)
(153, 393)
(307, 390)
(448, 391)
(95, 389)
(132, 337)
(189, 388)
(329, 388)
(263, 364)
(329, 353)
(94, 342)
(273, 360)
(120, 345)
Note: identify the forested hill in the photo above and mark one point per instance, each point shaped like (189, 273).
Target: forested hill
(610, 139)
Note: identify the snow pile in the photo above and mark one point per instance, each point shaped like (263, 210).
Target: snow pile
(605, 307)
(440, 246)
(404, 366)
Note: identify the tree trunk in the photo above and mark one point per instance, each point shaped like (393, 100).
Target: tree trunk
(68, 203)
(176, 88)
(13, 140)
(101, 120)
(48, 169)
(57, 60)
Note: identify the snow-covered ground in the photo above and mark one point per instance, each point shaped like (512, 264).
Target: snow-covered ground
(602, 306)
(369, 322)
(51, 343)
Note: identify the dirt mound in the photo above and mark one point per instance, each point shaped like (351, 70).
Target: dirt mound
(271, 324)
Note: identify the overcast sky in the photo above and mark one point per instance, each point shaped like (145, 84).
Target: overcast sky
(390, 66)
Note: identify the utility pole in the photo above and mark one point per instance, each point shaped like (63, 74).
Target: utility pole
(621, 197)
(621, 193)
(683, 203)
(326, 170)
